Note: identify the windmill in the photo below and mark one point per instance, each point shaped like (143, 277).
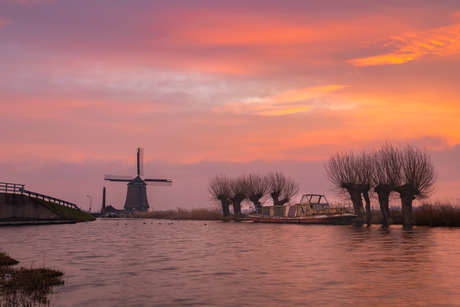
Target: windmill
(136, 197)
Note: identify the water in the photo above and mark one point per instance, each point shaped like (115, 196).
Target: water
(140, 262)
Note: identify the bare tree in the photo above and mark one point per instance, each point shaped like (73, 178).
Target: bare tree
(220, 189)
(238, 194)
(342, 170)
(364, 167)
(281, 188)
(418, 178)
(386, 177)
(256, 187)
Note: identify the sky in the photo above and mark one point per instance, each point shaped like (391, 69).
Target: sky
(221, 87)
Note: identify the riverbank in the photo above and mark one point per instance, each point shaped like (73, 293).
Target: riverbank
(26, 286)
(202, 214)
(20, 209)
(443, 214)
(428, 214)
(6, 260)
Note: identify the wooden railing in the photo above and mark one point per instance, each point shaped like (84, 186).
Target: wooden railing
(15, 188)
(11, 188)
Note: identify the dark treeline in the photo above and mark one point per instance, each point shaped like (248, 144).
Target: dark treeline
(406, 170)
(253, 187)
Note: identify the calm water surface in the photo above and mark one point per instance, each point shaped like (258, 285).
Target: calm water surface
(140, 262)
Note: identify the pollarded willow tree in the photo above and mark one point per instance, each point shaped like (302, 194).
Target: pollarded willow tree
(220, 189)
(364, 172)
(342, 170)
(281, 188)
(256, 186)
(386, 177)
(418, 179)
(238, 194)
(406, 170)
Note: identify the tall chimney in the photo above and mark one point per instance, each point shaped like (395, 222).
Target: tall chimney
(103, 200)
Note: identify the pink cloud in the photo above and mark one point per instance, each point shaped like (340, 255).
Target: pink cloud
(287, 102)
(220, 81)
(413, 46)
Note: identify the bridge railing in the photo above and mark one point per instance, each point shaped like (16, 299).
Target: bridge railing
(15, 188)
(11, 188)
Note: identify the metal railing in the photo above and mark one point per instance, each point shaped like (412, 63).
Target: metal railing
(15, 188)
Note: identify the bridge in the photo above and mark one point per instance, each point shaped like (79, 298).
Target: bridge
(15, 188)
(19, 206)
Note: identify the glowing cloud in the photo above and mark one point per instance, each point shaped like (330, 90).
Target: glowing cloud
(281, 104)
(437, 42)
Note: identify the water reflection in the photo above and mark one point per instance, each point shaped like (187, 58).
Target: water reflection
(227, 264)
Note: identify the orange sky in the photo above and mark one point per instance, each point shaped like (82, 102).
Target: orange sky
(259, 82)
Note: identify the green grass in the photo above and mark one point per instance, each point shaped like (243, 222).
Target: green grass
(181, 214)
(67, 212)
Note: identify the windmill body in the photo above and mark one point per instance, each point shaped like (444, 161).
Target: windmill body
(136, 196)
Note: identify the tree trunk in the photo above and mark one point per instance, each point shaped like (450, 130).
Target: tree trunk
(407, 195)
(383, 194)
(368, 207)
(256, 201)
(225, 207)
(406, 204)
(236, 201)
(357, 201)
(237, 210)
(275, 196)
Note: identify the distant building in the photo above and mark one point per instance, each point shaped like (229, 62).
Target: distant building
(110, 209)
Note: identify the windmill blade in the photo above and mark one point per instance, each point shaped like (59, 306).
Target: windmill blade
(118, 178)
(158, 182)
(140, 162)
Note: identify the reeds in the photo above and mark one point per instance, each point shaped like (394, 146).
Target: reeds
(437, 214)
(24, 286)
(428, 214)
(181, 214)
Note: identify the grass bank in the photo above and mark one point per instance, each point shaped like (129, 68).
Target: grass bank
(428, 214)
(67, 212)
(181, 214)
(26, 286)
(6, 260)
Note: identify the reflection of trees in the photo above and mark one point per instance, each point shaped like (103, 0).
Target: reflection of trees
(392, 262)
(388, 245)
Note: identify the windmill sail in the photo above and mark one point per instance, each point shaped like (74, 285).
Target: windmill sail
(118, 178)
(140, 162)
(158, 182)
